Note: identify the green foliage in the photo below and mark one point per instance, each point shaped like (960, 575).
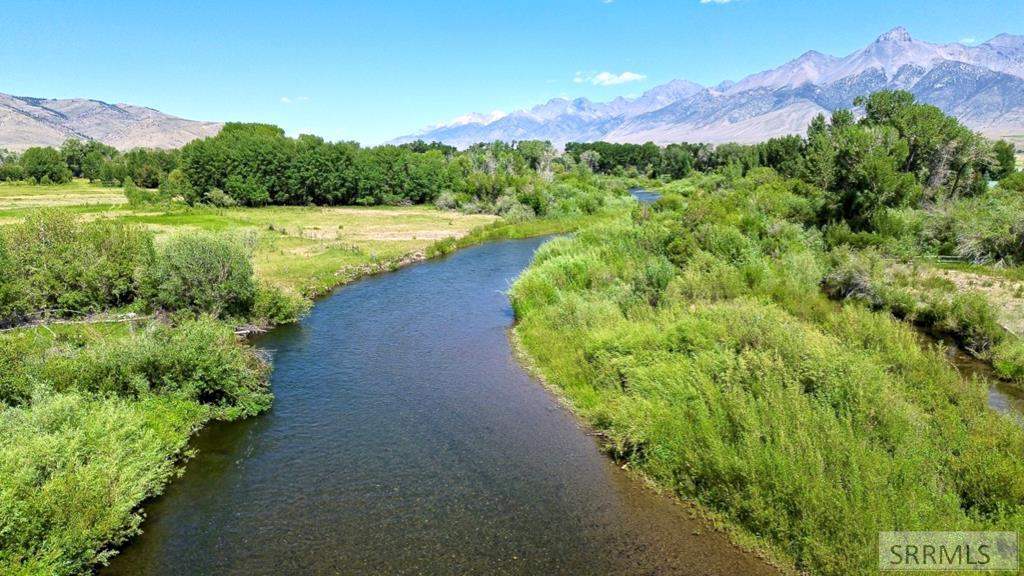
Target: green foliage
(97, 427)
(274, 306)
(969, 316)
(1005, 159)
(1013, 182)
(202, 273)
(985, 229)
(140, 196)
(199, 360)
(73, 468)
(45, 164)
(175, 185)
(1008, 359)
(727, 377)
(217, 198)
(148, 167)
(933, 303)
(246, 191)
(55, 265)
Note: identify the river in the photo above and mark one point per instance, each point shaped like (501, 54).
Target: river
(1003, 397)
(405, 438)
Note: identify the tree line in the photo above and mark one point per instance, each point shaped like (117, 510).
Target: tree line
(898, 150)
(895, 133)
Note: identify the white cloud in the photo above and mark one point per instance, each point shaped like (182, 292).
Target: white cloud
(294, 99)
(607, 78)
(969, 40)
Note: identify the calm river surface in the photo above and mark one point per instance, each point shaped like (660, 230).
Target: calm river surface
(406, 439)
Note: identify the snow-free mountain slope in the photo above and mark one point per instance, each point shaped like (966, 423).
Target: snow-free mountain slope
(27, 122)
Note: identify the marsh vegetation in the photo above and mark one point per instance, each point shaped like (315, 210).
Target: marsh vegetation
(740, 342)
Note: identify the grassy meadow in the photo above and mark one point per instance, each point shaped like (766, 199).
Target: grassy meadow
(304, 249)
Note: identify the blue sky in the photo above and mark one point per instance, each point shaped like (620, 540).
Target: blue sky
(372, 70)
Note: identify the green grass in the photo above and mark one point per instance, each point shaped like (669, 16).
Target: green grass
(95, 418)
(15, 196)
(697, 341)
(303, 249)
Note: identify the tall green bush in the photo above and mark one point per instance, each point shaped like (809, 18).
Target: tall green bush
(202, 273)
(58, 266)
(93, 421)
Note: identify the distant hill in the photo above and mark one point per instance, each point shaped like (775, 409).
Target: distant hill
(981, 85)
(27, 122)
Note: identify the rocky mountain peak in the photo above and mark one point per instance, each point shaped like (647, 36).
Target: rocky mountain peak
(981, 85)
(897, 34)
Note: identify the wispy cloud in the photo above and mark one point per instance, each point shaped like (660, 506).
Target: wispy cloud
(969, 40)
(294, 99)
(608, 78)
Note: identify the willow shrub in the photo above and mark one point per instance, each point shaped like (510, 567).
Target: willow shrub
(53, 265)
(92, 422)
(74, 468)
(201, 273)
(811, 425)
(198, 360)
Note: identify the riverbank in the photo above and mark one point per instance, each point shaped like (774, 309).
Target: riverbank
(773, 557)
(979, 307)
(403, 422)
(695, 337)
(98, 416)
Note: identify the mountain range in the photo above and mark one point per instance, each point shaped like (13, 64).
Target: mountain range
(26, 122)
(982, 85)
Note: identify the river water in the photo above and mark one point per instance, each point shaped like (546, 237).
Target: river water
(406, 439)
(1003, 396)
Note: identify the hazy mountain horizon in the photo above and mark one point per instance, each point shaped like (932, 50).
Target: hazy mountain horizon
(981, 84)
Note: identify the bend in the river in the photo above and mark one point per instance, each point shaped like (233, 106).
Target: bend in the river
(406, 439)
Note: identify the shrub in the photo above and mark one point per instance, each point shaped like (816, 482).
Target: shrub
(202, 273)
(140, 196)
(669, 203)
(58, 266)
(217, 197)
(73, 471)
(1008, 359)
(810, 424)
(446, 201)
(108, 417)
(518, 213)
(970, 317)
(1014, 182)
(197, 359)
(274, 306)
(176, 185)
